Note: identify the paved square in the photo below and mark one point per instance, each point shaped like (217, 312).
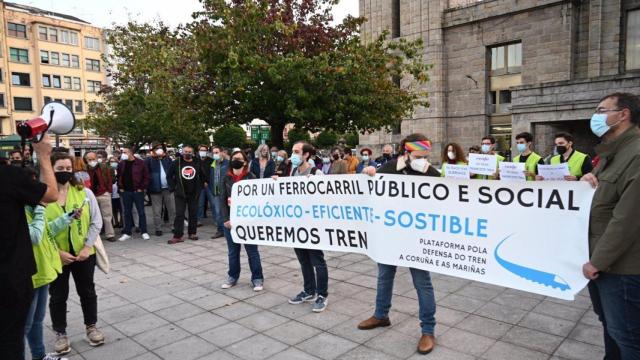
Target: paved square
(165, 302)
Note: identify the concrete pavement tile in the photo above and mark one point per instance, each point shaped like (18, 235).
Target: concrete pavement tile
(122, 313)
(227, 334)
(122, 349)
(162, 336)
(462, 303)
(465, 342)
(349, 330)
(442, 353)
(237, 311)
(219, 355)
(293, 354)
(559, 310)
(140, 324)
(267, 300)
(326, 346)
(201, 322)
(448, 316)
(190, 348)
(479, 292)
(575, 350)
(179, 312)
(159, 303)
(394, 343)
(483, 326)
(533, 339)
(516, 301)
(292, 332)
(257, 347)
(262, 321)
(506, 351)
(501, 313)
(324, 320)
(366, 353)
(589, 334)
(547, 324)
(213, 301)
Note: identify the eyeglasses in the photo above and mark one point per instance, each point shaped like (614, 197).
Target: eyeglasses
(604, 111)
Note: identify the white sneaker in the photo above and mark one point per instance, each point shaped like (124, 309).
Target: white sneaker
(124, 237)
(145, 236)
(53, 356)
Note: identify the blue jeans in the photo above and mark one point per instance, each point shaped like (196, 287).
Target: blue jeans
(214, 205)
(129, 198)
(616, 301)
(33, 327)
(234, 258)
(426, 298)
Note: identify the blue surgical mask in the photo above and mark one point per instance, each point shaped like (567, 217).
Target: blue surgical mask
(599, 124)
(216, 157)
(295, 160)
(485, 148)
(521, 147)
(114, 165)
(280, 158)
(365, 157)
(274, 154)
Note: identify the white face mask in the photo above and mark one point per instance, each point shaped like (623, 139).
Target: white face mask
(124, 157)
(451, 155)
(159, 152)
(93, 163)
(100, 160)
(419, 165)
(203, 154)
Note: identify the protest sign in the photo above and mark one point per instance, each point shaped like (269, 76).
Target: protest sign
(456, 172)
(480, 230)
(483, 164)
(554, 172)
(512, 171)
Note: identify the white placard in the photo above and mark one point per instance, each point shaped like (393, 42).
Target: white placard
(456, 172)
(510, 171)
(554, 172)
(473, 229)
(483, 164)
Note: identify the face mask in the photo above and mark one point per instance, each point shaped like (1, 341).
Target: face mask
(485, 148)
(237, 164)
(521, 147)
(326, 160)
(187, 156)
(280, 158)
(419, 165)
(451, 155)
(63, 177)
(599, 124)
(100, 160)
(137, 156)
(114, 165)
(216, 157)
(386, 156)
(561, 149)
(295, 160)
(365, 157)
(203, 154)
(159, 152)
(124, 157)
(336, 157)
(93, 163)
(274, 154)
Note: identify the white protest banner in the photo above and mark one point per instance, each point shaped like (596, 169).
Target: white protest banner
(554, 172)
(483, 164)
(486, 231)
(457, 172)
(510, 171)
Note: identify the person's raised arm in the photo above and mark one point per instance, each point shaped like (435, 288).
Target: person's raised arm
(43, 150)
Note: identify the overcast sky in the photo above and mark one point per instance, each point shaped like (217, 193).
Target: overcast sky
(103, 13)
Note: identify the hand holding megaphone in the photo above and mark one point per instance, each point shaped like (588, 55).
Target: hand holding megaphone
(56, 117)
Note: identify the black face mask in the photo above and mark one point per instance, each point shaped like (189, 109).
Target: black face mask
(237, 164)
(386, 156)
(561, 149)
(63, 177)
(187, 156)
(336, 157)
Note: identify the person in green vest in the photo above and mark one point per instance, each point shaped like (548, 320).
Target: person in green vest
(530, 159)
(452, 154)
(488, 146)
(49, 265)
(579, 163)
(75, 243)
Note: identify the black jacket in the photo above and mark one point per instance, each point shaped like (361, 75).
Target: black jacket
(176, 179)
(225, 194)
(392, 167)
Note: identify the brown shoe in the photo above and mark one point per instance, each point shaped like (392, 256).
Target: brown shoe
(373, 322)
(193, 237)
(175, 240)
(426, 344)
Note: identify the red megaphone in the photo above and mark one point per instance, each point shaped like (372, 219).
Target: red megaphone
(56, 118)
(32, 128)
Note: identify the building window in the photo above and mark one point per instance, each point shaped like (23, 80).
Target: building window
(58, 100)
(17, 30)
(93, 86)
(20, 79)
(46, 80)
(395, 18)
(79, 107)
(53, 35)
(44, 57)
(2, 104)
(92, 43)
(632, 61)
(69, 104)
(75, 61)
(67, 82)
(499, 101)
(73, 37)
(47, 99)
(66, 60)
(22, 104)
(93, 65)
(19, 55)
(42, 33)
(506, 59)
(1, 76)
(76, 83)
(64, 36)
(55, 58)
(56, 81)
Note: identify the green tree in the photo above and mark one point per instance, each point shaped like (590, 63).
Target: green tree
(230, 136)
(326, 139)
(295, 135)
(282, 61)
(352, 139)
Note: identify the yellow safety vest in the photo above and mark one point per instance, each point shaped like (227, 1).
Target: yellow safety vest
(575, 162)
(530, 165)
(78, 228)
(47, 257)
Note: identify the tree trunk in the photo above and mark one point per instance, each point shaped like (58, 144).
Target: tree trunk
(277, 129)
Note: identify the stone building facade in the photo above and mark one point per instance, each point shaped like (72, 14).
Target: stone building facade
(501, 67)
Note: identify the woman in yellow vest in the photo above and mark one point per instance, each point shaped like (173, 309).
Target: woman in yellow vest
(528, 157)
(48, 265)
(452, 154)
(75, 243)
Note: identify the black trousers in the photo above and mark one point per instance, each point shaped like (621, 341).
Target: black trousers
(189, 202)
(315, 282)
(15, 301)
(82, 272)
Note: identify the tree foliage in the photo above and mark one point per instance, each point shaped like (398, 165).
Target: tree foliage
(326, 139)
(230, 136)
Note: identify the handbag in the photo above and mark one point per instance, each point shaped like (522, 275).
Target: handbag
(102, 259)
